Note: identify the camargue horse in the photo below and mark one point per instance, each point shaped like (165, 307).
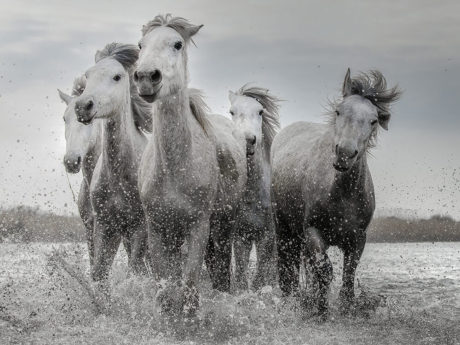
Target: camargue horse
(110, 95)
(192, 172)
(255, 114)
(82, 151)
(322, 187)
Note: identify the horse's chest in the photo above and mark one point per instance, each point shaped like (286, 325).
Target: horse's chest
(116, 197)
(341, 220)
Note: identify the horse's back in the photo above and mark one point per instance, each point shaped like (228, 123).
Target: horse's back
(294, 153)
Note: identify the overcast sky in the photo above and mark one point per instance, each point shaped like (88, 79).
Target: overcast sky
(298, 49)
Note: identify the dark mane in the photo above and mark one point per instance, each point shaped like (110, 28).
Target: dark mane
(127, 55)
(373, 86)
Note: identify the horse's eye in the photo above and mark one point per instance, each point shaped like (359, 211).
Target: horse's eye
(337, 112)
(140, 45)
(374, 122)
(117, 77)
(232, 113)
(261, 112)
(178, 45)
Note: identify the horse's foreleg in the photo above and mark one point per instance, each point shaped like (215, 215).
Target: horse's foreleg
(106, 243)
(162, 255)
(315, 248)
(197, 242)
(350, 263)
(288, 246)
(127, 245)
(266, 261)
(90, 243)
(138, 242)
(242, 249)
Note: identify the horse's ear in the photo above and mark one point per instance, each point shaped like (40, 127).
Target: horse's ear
(231, 96)
(346, 89)
(193, 30)
(65, 97)
(384, 118)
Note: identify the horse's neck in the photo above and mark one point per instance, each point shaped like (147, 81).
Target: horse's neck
(93, 152)
(172, 125)
(119, 134)
(353, 181)
(258, 170)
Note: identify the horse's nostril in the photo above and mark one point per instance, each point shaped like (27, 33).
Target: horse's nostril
(89, 105)
(155, 76)
(136, 76)
(251, 140)
(354, 154)
(337, 149)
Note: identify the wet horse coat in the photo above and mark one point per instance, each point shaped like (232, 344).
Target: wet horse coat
(83, 148)
(322, 187)
(255, 114)
(109, 95)
(192, 172)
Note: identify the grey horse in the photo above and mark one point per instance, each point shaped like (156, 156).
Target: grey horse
(83, 148)
(255, 113)
(192, 172)
(322, 187)
(110, 95)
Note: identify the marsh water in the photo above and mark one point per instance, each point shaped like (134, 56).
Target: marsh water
(42, 301)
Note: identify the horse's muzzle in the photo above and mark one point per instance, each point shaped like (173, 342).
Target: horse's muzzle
(72, 165)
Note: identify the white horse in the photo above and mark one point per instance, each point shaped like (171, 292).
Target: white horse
(255, 113)
(192, 172)
(82, 151)
(109, 95)
(322, 188)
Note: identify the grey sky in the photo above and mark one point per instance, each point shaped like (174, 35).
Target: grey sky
(298, 49)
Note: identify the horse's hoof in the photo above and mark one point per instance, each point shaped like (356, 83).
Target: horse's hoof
(170, 300)
(346, 302)
(191, 301)
(322, 316)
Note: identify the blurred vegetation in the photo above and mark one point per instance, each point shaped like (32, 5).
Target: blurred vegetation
(28, 224)
(393, 229)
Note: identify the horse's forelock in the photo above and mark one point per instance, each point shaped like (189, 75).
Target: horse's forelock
(125, 54)
(179, 24)
(373, 86)
(79, 85)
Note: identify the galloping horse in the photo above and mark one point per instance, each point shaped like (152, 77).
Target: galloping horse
(192, 172)
(322, 187)
(83, 148)
(109, 95)
(255, 113)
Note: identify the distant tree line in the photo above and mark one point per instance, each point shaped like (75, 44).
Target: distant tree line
(28, 224)
(393, 229)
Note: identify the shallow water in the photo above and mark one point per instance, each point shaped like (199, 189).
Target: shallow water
(40, 302)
